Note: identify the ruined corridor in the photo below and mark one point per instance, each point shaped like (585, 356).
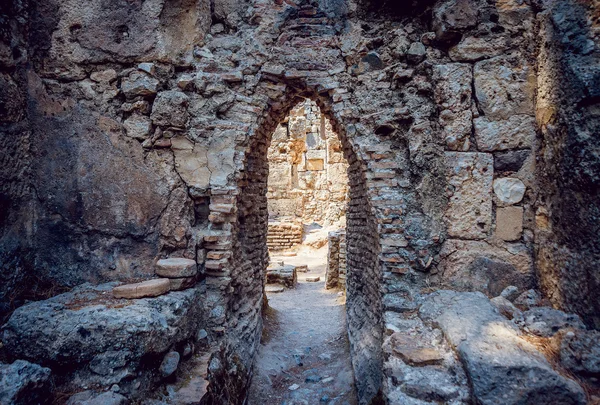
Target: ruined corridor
(299, 202)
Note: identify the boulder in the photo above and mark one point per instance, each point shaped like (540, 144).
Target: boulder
(148, 288)
(546, 321)
(580, 351)
(176, 268)
(99, 338)
(503, 367)
(24, 383)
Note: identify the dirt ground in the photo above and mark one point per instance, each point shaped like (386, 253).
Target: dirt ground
(304, 355)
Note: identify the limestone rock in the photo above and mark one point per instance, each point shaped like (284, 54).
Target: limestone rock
(505, 307)
(191, 161)
(452, 17)
(139, 84)
(580, 351)
(104, 76)
(77, 329)
(149, 288)
(24, 383)
(176, 268)
(415, 352)
(313, 279)
(509, 190)
(138, 126)
(509, 223)
(480, 266)
(528, 299)
(546, 321)
(170, 109)
(472, 49)
(469, 212)
(516, 132)
(93, 398)
(169, 364)
(504, 86)
(510, 293)
(496, 358)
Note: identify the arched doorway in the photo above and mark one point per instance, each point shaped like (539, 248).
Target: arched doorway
(364, 308)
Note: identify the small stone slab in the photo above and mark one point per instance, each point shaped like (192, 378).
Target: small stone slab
(302, 269)
(178, 284)
(176, 268)
(149, 288)
(313, 279)
(274, 289)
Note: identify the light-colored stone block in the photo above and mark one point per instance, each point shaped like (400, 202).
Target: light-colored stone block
(509, 190)
(469, 212)
(315, 164)
(149, 288)
(509, 223)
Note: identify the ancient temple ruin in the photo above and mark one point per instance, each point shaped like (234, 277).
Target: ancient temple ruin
(159, 158)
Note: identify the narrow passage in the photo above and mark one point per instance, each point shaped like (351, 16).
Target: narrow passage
(304, 356)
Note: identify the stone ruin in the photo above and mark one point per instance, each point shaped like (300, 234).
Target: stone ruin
(138, 131)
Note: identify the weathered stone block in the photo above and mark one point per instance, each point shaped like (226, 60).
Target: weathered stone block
(480, 266)
(505, 86)
(315, 164)
(176, 268)
(170, 109)
(516, 132)
(509, 223)
(469, 212)
(149, 288)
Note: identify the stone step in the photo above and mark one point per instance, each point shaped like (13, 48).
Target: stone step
(148, 288)
(176, 268)
(313, 279)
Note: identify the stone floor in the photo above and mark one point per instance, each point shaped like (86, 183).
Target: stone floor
(304, 356)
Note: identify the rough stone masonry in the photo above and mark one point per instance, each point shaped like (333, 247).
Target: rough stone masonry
(134, 131)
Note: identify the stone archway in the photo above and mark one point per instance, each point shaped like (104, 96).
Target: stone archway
(249, 254)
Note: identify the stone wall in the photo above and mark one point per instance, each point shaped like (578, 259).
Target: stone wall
(282, 236)
(336, 260)
(141, 141)
(566, 216)
(17, 280)
(307, 169)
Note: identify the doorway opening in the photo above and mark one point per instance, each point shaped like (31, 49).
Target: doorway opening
(304, 354)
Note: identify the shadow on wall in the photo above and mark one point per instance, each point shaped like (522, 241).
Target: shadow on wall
(567, 226)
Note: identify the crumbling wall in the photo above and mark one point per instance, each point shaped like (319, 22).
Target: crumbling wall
(143, 141)
(307, 172)
(16, 198)
(566, 217)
